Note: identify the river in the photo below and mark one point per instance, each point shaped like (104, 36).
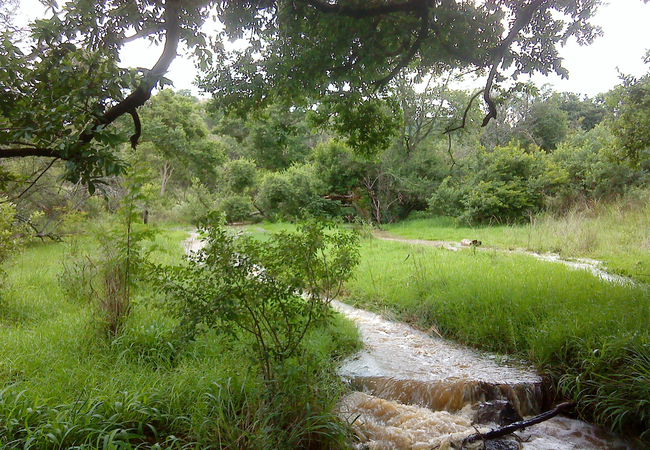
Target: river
(413, 391)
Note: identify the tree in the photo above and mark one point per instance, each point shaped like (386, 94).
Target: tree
(583, 113)
(631, 123)
(506, 185)
(176, 141)
(60, 97)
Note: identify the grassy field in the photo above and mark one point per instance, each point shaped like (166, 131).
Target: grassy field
(589, 338)
(617, 234)
(64, 384)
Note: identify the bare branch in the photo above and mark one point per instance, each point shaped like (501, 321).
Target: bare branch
(494, 434)
(138, 128)
(20, 152)
(523, 19)
(465, 113)
(144, 33)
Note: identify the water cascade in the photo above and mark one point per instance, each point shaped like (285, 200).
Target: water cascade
(415, 392)
(418, 392)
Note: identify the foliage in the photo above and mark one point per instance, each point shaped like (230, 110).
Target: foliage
(593, 172)
(236, 208)
(63, 386)
(240, 175)
(506, 185)
(549, 124)
(339, 169)
(251, 290)
(630, 102)
(107, 280)
(277, 137)
(365, 124)
(8, 242)
(587, 335)
(583, 113)
(47, 205)
(176, 144)
(297, 192)
(63, 97)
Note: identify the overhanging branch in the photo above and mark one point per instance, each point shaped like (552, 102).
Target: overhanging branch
(362, 13)
(523, 19)
(143, 92)
(406, 60)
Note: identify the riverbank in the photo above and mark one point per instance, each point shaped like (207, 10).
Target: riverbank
(65, 383)
(588, 337)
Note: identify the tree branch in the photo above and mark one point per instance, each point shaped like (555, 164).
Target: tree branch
(362, 13)
(138, 128)
(465, 113)
(509, 429)
(20, 152)
(143, 92)
(523, 19)
(422, 35)
(144, 33)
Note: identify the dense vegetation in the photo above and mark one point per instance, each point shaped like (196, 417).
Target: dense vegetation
(332, 112)
(88, 363)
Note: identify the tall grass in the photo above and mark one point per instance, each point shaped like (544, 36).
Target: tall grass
(588, 336)
(617, 233)
(62, 385)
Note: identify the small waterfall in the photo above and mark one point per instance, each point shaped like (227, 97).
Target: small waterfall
(418, 392)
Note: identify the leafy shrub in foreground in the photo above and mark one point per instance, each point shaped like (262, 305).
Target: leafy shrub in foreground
(253, 290)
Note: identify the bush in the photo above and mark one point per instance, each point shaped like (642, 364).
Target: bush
(593, 172)
(240, 175)
(251, 290)
(237, 208)
(506, 185)
(294, 193)
(7, 241)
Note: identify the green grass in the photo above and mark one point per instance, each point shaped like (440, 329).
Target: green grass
(63, 384)
(591, 338)
(616, 233)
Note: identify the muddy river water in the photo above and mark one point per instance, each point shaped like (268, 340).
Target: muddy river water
(417, 392)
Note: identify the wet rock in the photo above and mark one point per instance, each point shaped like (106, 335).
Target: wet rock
(501, 412)
(502, 444)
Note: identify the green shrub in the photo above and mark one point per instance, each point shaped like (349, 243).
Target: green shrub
(592, 171)
(505, 185)
(251, 290)
(7, 240)
(294, 193)
(240, 175)
(237, 208)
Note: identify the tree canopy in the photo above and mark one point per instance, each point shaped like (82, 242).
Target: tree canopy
(62, 87)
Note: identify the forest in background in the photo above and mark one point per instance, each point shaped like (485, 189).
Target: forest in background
(547, 153)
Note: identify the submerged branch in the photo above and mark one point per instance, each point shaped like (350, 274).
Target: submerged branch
(504, 431)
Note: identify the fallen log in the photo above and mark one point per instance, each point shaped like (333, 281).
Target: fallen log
(509, 429)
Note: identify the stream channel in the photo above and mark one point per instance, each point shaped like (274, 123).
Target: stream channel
(416, 392)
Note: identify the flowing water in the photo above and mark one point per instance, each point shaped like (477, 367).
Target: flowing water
(415, 392)
(418, 392)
